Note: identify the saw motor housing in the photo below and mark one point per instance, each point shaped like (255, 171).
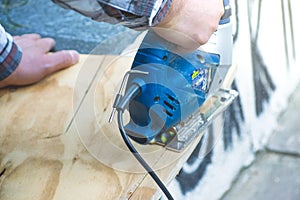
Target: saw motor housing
(175, 86)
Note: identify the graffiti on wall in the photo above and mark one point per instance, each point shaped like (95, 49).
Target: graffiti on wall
(263, 88)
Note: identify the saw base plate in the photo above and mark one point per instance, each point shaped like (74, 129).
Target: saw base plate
(181, 135)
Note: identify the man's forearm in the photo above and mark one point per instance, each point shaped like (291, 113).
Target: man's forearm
(187, 23)
(130, 13)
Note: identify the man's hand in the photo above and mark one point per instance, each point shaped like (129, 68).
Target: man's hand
(36, 63)
(190, 23)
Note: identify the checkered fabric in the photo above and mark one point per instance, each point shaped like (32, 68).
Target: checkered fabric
(10, 54)
(131, 13)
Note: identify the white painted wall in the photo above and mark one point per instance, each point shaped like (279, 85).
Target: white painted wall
(256, 129)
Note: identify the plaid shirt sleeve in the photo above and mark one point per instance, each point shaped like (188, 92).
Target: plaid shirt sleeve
(10, 54)
(131, 13)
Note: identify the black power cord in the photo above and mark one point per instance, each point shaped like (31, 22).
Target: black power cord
(132, 92)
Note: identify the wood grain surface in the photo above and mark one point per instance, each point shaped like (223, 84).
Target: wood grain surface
(56, 142)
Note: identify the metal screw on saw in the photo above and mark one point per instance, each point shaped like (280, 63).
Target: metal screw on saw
(201, 58)
(119, 94)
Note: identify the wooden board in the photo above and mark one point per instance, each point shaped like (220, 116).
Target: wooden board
(56, 142)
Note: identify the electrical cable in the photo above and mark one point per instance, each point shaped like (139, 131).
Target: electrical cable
(132, 92)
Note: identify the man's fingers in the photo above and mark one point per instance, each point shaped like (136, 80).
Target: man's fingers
(184, 43)
(59, 60)
(32, 36)
(35, 41)
(45, 44)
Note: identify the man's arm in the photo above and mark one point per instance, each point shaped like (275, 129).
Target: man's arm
(130, 13)
(187, 23)
(25, 60)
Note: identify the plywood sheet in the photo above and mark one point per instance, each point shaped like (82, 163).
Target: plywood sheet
(56, 142)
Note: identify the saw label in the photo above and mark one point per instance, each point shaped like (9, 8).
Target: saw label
(200, 79)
